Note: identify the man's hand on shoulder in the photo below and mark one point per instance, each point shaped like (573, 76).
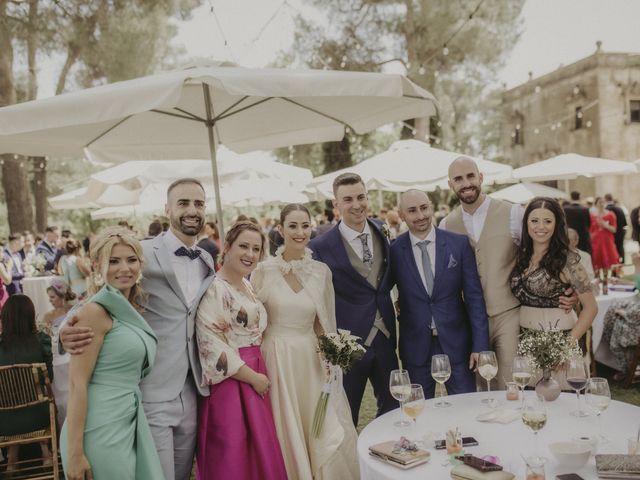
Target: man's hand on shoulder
(74, 338)
(569, 300)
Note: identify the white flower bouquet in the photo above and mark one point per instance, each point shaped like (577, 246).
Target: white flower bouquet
(548, 348)
(34, 264)
(338, 352)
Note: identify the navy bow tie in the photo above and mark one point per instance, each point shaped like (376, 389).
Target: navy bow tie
(186, 252)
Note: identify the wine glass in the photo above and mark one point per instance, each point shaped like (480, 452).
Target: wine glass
(522, 371)
(414, 404)
(488, 368)
(441, 371)
(598, 399)
(534, 416)
(577, 377)
(400, 388)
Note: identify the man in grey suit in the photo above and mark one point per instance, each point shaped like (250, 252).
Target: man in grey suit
(176, 274)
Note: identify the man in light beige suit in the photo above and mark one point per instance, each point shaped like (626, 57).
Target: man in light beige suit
(494, 228)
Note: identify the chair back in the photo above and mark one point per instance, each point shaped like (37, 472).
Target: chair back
(24, 385)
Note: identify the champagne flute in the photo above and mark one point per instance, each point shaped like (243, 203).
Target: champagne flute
(577, 377)
(598, 399)
(522, 372)
(534, 416)
(488, 369)
(441, 371)
(414, 404)
(400, 388)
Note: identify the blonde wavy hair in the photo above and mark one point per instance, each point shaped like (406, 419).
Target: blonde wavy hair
(100, 253)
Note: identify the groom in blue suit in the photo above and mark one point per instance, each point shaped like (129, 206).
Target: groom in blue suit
(357, 252)
(441, 304)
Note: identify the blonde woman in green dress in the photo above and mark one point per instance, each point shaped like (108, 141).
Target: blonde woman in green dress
(106, 435)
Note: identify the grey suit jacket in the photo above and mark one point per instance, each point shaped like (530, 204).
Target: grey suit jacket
(173, 322)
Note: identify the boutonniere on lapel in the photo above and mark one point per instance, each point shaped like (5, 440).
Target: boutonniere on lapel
(384, 228)
(452, 262)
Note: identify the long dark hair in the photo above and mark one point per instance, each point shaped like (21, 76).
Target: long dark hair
(18, 321)
(555, 259)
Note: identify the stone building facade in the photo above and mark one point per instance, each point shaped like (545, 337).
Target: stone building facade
(591, 107)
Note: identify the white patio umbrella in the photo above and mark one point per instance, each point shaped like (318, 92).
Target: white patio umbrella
(523, 192)
(407, 164)
(187, 113)
(569, 166)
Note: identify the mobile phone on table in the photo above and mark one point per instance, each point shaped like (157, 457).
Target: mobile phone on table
(479, 463)
(466, 442)
(569, 476)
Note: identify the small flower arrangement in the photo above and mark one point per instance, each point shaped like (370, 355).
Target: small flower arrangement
(548, 348)
(338, 352)
(34, 265)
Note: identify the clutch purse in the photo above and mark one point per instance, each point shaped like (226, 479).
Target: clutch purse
(465, 472)
(618, 466)
(405, 459)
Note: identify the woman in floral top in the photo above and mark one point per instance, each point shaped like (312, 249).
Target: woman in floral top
(236, 434)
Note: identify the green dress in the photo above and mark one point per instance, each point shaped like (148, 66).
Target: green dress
(117, 438)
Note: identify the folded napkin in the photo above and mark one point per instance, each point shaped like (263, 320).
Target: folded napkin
(499, 416)
(465, 472)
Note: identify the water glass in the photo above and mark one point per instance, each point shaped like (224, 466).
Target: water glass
(488, 369)
(441, 371)
(400, 389)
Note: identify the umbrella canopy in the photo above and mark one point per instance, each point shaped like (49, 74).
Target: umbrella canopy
(571, 165)
(407, 164)
(186, 113)
(524, 192)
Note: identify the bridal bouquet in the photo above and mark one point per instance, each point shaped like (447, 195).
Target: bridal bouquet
(34, 265)
(338, 352)
(548, 348)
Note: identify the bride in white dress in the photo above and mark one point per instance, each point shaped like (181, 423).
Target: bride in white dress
(298, 295)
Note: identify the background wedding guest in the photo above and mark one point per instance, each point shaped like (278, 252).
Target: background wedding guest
(634, 217)
(442, 308)
(621, 224)
(585, 257)
(48, 248)
(21, 342)
(29, 246)
(236, 434)
(357, 253)
(211, 230)
(155, 229)
(545, 268)
(603, 228)
(74, 268)
(298, 295)
(579, 218)
(208, 243)
(106, 433)
(6, 265)
(12, 251)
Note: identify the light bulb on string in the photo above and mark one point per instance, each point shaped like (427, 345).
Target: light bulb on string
(537, 89)
(518, 126)
(536, 131)
(436, 74)
(445, 51)
(437, 141)
(342, 64)
(553, 127)
(576, 90)
(589, 123)
(579, 114)
(439, 123)
(422, 70)
(413, 132)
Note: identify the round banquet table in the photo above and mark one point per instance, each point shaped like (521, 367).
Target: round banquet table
(36, 289)
(508, 442)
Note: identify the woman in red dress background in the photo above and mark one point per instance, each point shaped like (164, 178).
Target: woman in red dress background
(603, 228)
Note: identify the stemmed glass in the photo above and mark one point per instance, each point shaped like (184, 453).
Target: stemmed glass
(598, 399)
(577, 377)
(400, 389)
(441, 371)
(414, 404)
(534, 416)
(488, 368)
(522, 371)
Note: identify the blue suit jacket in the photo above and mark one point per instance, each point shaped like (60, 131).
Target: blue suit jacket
(51, 254)
(16, 276)
(456, 302)
(356, 300)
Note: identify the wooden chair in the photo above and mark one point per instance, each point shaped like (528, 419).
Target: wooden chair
(26, 385)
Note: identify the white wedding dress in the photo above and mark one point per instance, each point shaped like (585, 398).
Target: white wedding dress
(289, 348)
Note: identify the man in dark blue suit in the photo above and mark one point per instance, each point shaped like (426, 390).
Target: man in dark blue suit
(441, 304)
(16, 242)
(357, 253)
(48, 248)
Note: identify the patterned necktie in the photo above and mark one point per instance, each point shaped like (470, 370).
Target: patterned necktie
(426, 265)
(367, 256)
(186, 252)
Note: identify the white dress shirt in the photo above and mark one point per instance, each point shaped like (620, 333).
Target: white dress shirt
(417, 255)
(474, 222)
(189, 273)
(351, 236)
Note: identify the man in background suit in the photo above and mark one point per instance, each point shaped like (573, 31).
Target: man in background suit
(442, 307)
(579, 219)
(12, 251)
(357, 253)
(48, 248)
(176, 275)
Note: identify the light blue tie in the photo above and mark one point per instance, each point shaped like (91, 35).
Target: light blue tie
(426, 265)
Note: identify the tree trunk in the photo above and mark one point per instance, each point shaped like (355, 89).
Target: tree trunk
(337, 155)
(40, 191)
(32, 83)
(14, 177)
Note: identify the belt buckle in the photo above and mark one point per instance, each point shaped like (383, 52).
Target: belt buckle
(434, 332)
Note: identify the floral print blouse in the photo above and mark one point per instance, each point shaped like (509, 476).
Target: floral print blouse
(227, 320)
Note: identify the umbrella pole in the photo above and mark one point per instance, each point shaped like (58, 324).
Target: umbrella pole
(379, 199)
(214, 163)
(566, 185)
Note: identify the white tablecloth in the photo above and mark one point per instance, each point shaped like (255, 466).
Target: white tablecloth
(508, 442)
(36, 289)
(601, 350)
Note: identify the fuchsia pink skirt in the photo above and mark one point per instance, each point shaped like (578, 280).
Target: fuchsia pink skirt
(236, 434)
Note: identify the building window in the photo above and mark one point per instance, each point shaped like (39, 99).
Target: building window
(517, 136)
(578, 118)
(634, 108)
